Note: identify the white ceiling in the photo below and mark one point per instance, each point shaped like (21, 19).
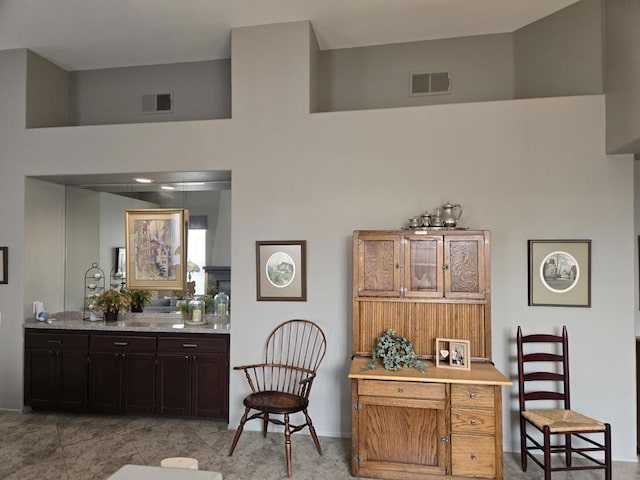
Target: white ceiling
(89, 34)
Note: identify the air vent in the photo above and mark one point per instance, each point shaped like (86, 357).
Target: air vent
(157, 103)
(429, 83)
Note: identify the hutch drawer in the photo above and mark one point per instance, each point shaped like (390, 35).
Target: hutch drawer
(120, 343)
(473, 421)
(383, 388)
(192, 344)
(476, 396)
(473, 456)
(54, 341)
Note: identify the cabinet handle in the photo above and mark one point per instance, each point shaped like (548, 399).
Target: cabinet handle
(398, 265)
(444, 438)
(58, 342)
(473, 457)
(473, 421)
(400, 390)
(190, 345)
(121, 344)
(472, 395)
(445, 266)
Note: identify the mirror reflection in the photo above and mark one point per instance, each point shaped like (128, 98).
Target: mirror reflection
(95, 229)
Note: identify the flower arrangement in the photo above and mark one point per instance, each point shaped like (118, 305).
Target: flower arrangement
(394, 352)
(138, 299)
(112, 301)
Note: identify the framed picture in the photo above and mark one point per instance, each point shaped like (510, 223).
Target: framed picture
(4, 265)
(560, 273)
(281, 270)
(156, 247)
(453, 353)
(121, 261)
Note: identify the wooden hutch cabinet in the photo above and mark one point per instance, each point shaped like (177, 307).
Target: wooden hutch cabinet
(445, 422)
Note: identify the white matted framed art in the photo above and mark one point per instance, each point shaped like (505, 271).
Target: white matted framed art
(281, 270)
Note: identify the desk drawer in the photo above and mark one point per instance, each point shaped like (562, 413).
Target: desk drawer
(480, 396)
(120, 343)
(389, 388)
(473, 456)
(479, 422)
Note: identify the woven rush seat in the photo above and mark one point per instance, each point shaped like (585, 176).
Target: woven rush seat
(560, 420)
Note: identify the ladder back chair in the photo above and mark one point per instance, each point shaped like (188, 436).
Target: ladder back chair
(281, 385)
(543, 375)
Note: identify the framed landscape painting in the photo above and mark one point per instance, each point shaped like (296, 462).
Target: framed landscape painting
(156, 247)
(560, 273)
(281, 270)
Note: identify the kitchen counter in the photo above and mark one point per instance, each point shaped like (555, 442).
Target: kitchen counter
(128, 322)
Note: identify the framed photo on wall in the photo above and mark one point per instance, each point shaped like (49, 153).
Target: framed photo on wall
(4, 265)
(156, 246)
(560, 273)
(281, 270)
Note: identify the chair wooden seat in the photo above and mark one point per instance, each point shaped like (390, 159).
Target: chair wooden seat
(543, 375)
(560, 420)
(276, 402)
(281, 385)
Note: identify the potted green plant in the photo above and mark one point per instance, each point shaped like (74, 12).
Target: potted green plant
(182, 306)
(139, 299)
(111, 302)
(394, 352)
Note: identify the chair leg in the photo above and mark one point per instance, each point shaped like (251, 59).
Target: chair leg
(607, 451)
(287, 442)
(312, 430)
(239, 431)
(547, 453)
(265, 424)
(523, 444)
(567, 453)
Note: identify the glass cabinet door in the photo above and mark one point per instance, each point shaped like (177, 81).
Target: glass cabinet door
(423, 261)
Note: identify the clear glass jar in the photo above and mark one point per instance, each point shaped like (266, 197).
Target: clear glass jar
(196, 310)
(221, 305)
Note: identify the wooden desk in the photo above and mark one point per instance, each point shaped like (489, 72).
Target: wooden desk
(412, 425)
(143, 472)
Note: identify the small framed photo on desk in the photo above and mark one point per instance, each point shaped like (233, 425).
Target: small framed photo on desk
(453, 353)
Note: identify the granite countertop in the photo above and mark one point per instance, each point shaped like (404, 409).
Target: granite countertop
(128, 322)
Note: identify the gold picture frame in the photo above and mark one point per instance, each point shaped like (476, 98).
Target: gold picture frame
(281, 270)
(453, 353)
(156, 248)
(560, 273)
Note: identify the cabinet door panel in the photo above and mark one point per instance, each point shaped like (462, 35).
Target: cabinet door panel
(40, 378)
(104, 384)
(464, 258)
(210, 395)
(139, 383)
(73, 379)
(377, 263)
(423, 260)
(174, 385)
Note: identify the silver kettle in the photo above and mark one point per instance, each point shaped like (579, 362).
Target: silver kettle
(451, 214)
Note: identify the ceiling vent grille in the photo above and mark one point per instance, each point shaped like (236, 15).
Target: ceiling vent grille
(157, 103)
(429, 83)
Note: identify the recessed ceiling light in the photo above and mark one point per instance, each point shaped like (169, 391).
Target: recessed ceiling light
(167, 187)
(143, 180)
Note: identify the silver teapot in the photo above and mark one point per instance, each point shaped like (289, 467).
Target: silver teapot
(451, 214)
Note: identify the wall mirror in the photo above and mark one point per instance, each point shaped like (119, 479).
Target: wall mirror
(95, 225)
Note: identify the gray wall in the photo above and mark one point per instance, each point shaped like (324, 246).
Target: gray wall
(201, 90)
(561, 54)
(47, 93)
(481, 69)
(622, 76)
(320, 176)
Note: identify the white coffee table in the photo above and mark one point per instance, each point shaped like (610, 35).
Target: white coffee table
(143, 472)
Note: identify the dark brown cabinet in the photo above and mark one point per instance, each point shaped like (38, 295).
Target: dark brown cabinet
(193, 376)
(128, 372)
(122, 374)
(56, 370)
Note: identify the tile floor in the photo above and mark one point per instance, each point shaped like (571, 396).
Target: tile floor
(53, 446)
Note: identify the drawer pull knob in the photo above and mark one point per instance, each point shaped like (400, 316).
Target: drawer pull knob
(472, 395)
(400, 389)
(473, 421)
(473, 457)
(444, 438)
